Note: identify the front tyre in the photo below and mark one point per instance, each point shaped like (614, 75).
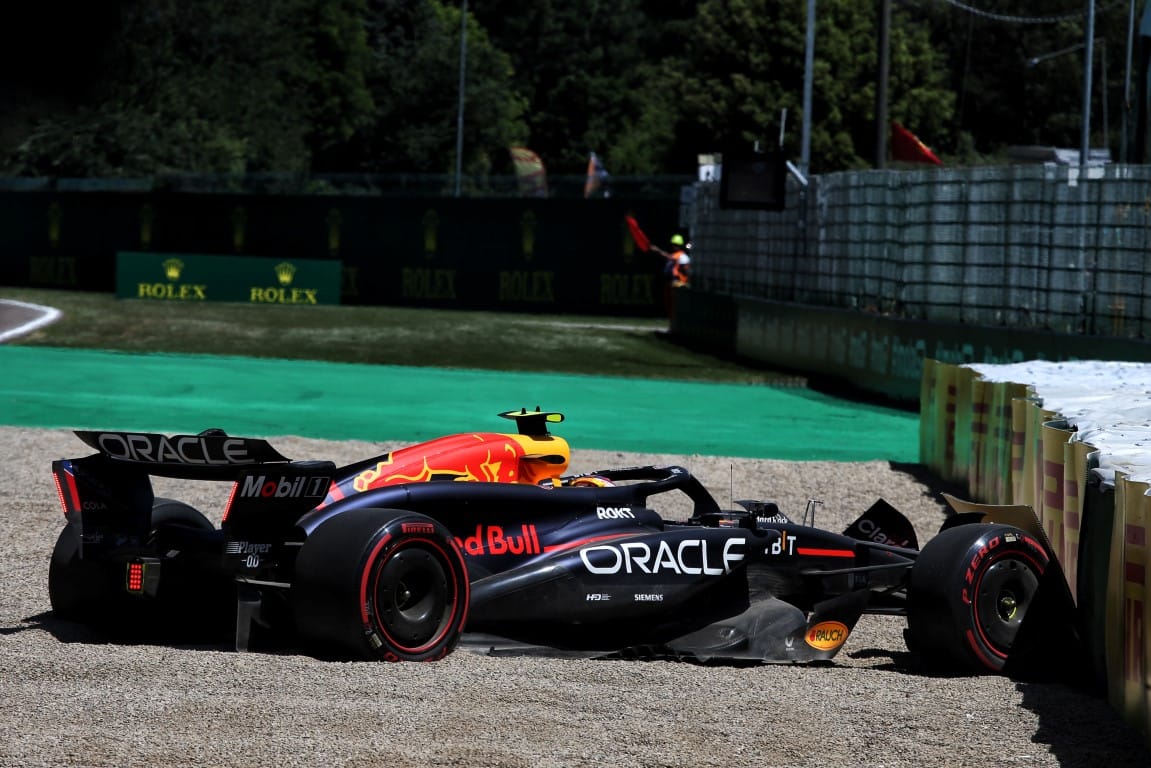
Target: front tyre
(380, 584)
(970, 592)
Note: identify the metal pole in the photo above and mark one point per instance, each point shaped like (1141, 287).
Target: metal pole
(463, 82)
(881, 86)
(1127, 83)
(808, 74)
(1088, 55)
(1103, 93)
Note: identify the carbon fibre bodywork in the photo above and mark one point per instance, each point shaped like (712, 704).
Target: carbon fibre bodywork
(595, 568)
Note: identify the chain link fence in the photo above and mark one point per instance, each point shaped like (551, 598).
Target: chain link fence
(1041, 247)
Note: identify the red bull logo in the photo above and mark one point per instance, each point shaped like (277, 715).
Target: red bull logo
(495, 540)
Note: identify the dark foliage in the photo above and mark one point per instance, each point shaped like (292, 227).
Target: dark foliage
(146, 87)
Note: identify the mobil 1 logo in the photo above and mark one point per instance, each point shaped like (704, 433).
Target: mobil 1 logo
(283, 486)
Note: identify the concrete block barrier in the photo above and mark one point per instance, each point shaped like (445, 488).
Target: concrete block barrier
(1071, 440)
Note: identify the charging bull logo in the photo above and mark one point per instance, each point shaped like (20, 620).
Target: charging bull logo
(495, 540)
(476, 457)
(470, 457)
(379, 475)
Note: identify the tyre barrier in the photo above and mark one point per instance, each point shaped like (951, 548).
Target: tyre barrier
(1072, 440)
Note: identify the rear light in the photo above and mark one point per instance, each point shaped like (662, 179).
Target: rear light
(136, 578)
(142, 576)
(60, 493)
(66, 490)
(228, 506)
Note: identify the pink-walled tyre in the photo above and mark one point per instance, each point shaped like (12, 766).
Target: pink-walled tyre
(970, 592)
(380, 584)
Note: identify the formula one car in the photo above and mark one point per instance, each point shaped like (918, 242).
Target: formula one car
(396, 556)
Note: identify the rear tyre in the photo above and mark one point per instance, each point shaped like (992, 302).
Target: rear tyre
(79, 590)
(970, 592)
(92, 592)
(196, 600)
(380, 584)
(166, 512)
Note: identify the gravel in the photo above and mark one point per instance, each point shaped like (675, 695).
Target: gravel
(70, 699)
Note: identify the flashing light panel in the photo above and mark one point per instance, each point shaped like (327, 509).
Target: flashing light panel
(228, 506)
(60, 492)
(66, 490)
(135, 578)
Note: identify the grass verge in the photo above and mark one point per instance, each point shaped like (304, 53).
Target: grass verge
(602, 346)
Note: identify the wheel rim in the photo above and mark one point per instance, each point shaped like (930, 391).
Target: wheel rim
(1005, 592)
(412, 597)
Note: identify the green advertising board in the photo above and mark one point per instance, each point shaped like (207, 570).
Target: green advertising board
(247, 279)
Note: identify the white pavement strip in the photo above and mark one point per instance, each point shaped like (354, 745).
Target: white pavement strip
(1108, 402)
(44, 316)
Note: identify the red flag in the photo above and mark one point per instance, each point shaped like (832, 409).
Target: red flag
(906, 147)
(637, 234)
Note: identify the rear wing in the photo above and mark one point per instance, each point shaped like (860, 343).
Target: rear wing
(210, 455)
(108, 496)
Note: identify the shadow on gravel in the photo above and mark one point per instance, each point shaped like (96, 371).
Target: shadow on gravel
(898, 661)
(1081, 729)
(936, 485)
(32, 622)
(1076, 724)
(73, 632)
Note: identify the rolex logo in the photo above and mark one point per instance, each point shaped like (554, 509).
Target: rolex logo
(172, 268)
(285, 272)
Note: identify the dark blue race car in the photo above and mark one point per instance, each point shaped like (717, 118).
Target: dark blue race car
(483, 536)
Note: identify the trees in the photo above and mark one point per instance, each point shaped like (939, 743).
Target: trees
(330, 71)
(583, 68)
(199, 86)
(1003, 98)
(744, 65)
(334, 86)
(241, 86)
(414, 81)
